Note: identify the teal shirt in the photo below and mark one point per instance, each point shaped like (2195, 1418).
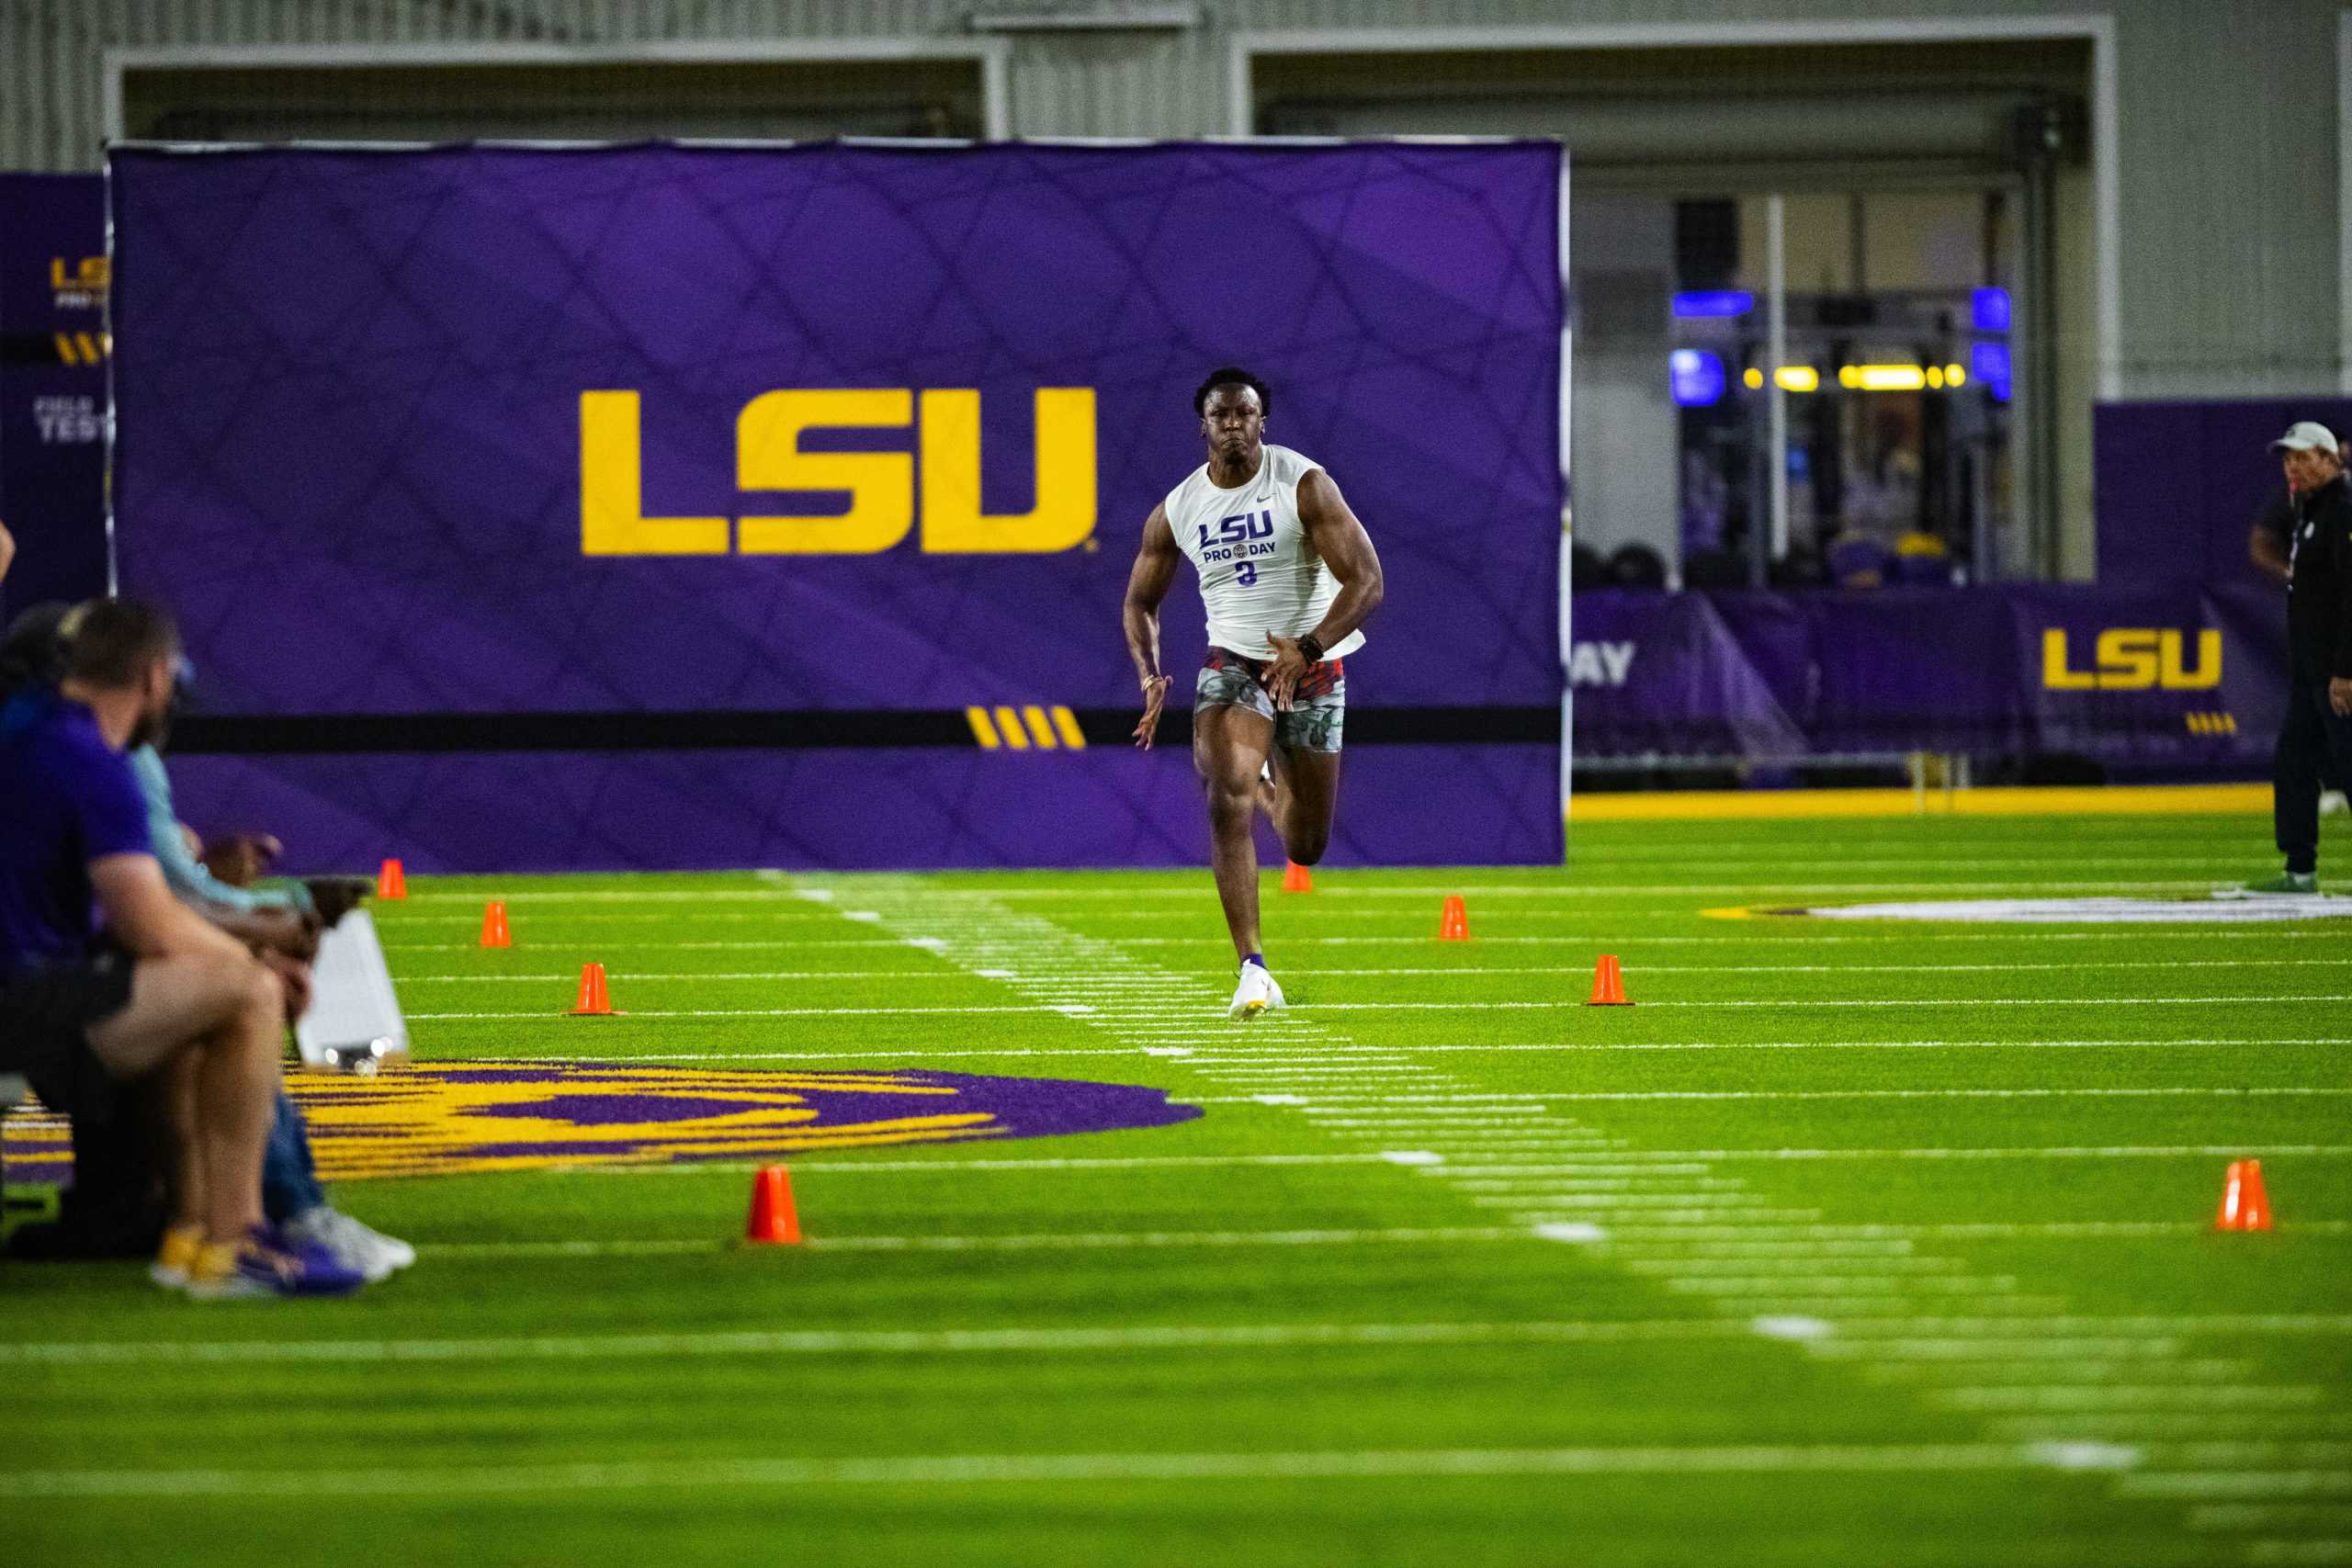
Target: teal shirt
(187, 874)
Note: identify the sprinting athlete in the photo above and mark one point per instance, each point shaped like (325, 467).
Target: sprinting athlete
(1288, 575)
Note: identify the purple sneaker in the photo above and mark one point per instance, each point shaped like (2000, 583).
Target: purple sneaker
(267, 1264)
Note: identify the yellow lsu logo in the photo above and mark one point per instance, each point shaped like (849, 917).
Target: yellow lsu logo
(881, 485)
(2132, 659)
(88, 275)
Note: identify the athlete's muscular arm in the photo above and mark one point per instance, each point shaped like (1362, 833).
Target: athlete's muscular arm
(1147, 584)
(1339, 537)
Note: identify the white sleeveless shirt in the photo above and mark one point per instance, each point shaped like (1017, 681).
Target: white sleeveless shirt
(1259, 570)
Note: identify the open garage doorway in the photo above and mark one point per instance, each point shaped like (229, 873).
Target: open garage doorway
(1836, 303)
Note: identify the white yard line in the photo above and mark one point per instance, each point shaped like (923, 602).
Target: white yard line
(1317, 973)
(2128, 1044)
(1744, 934)
(1057, 1241)
(721, 1475)
(1677, 1217)
(959, 1168)
(561, 976)
(755, 1012)
(1620, 941)
(1777, 1002)
(2111, 1151)
(1571, 1095)
(947, 901)
(866, 1341)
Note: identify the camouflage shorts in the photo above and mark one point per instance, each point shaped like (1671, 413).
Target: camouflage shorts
(1318, 709)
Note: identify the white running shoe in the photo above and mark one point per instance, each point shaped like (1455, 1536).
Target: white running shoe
(1255, 995)
(367, 1252)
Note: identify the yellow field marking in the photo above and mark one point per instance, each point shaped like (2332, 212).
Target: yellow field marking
(1692, 806)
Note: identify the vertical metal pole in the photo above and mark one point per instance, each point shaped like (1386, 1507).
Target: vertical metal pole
(1776, 317)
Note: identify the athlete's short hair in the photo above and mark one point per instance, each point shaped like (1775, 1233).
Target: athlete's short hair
(1232, 376)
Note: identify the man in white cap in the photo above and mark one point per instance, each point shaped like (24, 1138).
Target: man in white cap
(2315, 741)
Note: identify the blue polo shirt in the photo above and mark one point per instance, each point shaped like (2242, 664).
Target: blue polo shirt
(66, 799)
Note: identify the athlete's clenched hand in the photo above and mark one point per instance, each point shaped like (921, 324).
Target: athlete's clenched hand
(1155, 697)
(1284, 671)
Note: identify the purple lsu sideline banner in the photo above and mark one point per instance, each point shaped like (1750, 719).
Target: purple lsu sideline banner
(2164, 677)
(665, 506)
(52, 385)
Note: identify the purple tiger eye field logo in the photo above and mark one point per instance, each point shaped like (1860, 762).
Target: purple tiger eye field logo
(443, 1118)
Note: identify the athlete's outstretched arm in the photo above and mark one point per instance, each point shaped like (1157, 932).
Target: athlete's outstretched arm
(1147, 584)
(1339, 537)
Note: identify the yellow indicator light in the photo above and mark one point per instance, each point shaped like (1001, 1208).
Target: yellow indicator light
(1955, 376)
(1887, 378)
(1797, 378)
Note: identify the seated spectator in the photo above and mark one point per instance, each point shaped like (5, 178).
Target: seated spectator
(285, 919)
(147, 991)
(1856, 560)
(1921, 561)
(1637, 566)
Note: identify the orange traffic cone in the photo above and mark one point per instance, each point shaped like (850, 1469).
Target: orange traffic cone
(1453, 923)
(2244, 1205)
(391, 882)
(1297, 879)
(594, 1002)
(775, 1221)
(1608, 983)
(493, 926)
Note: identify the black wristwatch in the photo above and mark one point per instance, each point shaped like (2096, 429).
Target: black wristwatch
(1310, 649)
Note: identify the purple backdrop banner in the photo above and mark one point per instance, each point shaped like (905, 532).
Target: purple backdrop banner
(2147, 677)
(52, 384)
(2179, 484)
(665, 506)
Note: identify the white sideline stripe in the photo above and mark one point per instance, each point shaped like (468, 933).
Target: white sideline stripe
(864, 1341)
(1902, 1335)
(2112, 1151)
(1580, 1095)
(1054, 1242)
(2127, 1397)
(927, 1053)
(1858, 1044)
(635, 944)
(952, 1166)
(1827, 968)
(940, 1469)
(1750, 937)
(1827, 1236)
(2240, 1483)
(2220, 862)
(766, 1012)
(690, 974)
(947, 898)
(1834, 1003)
(2136, 935)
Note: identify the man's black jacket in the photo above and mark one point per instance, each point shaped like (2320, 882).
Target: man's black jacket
(2319, 595)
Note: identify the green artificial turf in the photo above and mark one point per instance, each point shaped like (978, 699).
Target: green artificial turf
(1909, 1262)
